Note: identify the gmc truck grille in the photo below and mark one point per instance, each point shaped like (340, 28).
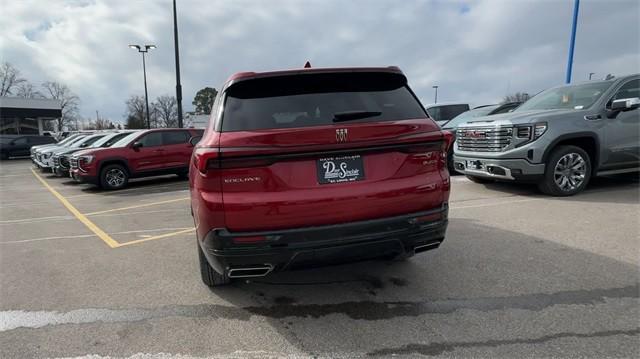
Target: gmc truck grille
(64, 162)
(484, 139)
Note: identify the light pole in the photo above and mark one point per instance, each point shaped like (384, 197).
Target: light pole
(591, 74)
(572, 41)
(435, 100)
(177, 53)
(143, 49)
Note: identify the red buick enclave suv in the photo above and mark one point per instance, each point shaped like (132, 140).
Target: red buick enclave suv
(316, 166)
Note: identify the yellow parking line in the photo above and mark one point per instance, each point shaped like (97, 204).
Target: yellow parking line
(157, 237)
(137, 206)
(81, 217)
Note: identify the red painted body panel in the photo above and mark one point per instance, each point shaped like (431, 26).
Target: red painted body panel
(287, 194)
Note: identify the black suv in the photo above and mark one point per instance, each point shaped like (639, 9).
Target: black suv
(20, 145)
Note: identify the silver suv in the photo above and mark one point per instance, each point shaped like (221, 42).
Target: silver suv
(558, 139)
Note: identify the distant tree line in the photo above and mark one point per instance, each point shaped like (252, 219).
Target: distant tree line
(516, 97)
(13, 84)
(163, 112)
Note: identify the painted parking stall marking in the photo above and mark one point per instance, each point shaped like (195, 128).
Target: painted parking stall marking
(93, 227)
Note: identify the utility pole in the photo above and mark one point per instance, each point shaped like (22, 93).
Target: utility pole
(572, 41)
(435, 100)
(177, 52)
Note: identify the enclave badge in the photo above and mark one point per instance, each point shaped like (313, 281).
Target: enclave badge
(341, 135)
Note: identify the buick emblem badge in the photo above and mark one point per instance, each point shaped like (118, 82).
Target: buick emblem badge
(341, 135)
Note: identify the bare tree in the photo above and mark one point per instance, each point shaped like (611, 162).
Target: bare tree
(99, 124)
(166, 111)
(68, 102)
(135, 114)
(26, 90)
(517, 97)
(9, 79)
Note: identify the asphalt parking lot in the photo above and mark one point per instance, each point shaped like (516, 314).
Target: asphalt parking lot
(86, 272)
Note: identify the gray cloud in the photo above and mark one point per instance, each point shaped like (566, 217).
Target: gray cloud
(476, 51)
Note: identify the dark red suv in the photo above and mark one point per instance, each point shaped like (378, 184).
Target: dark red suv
(140, 154)
(313, 167)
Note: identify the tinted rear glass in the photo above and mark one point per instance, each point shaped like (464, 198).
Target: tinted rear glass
(313, 99)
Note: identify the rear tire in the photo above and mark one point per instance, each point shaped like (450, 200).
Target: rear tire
(481, 180)
(114, 177)
(567, 172)
(209, 275)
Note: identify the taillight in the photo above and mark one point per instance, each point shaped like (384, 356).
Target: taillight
(205, 158)
(212, 158)
(447, 137)
(231, 162)
(448, 140)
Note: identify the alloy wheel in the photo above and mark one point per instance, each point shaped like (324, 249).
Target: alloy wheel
(115, 177)
(570, 171)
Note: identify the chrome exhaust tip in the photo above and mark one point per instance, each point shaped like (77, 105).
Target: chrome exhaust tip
(252, 271)
(426, 247)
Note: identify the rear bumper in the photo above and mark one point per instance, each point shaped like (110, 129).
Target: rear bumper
(326, 245)
(506, 169)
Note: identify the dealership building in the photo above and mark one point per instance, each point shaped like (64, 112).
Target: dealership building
(27, 115)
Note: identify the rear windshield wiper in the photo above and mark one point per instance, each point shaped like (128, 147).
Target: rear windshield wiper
(354, 115)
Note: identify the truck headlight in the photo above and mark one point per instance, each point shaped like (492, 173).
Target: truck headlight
(85, 160)
(539, 129)
(47, 154)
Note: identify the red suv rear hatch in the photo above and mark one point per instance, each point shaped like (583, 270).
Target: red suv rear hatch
(313, 149)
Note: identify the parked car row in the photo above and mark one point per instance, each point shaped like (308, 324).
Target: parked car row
(110, 159)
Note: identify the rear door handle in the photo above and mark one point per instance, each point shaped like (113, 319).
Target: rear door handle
(593, 117)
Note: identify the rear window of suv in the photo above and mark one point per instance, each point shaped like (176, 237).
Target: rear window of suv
(315, 99)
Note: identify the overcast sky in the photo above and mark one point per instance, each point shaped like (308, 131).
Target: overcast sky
(475, 51)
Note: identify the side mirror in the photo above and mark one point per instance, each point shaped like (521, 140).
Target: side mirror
(194, 140)
(625, 104)
(137, 145)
